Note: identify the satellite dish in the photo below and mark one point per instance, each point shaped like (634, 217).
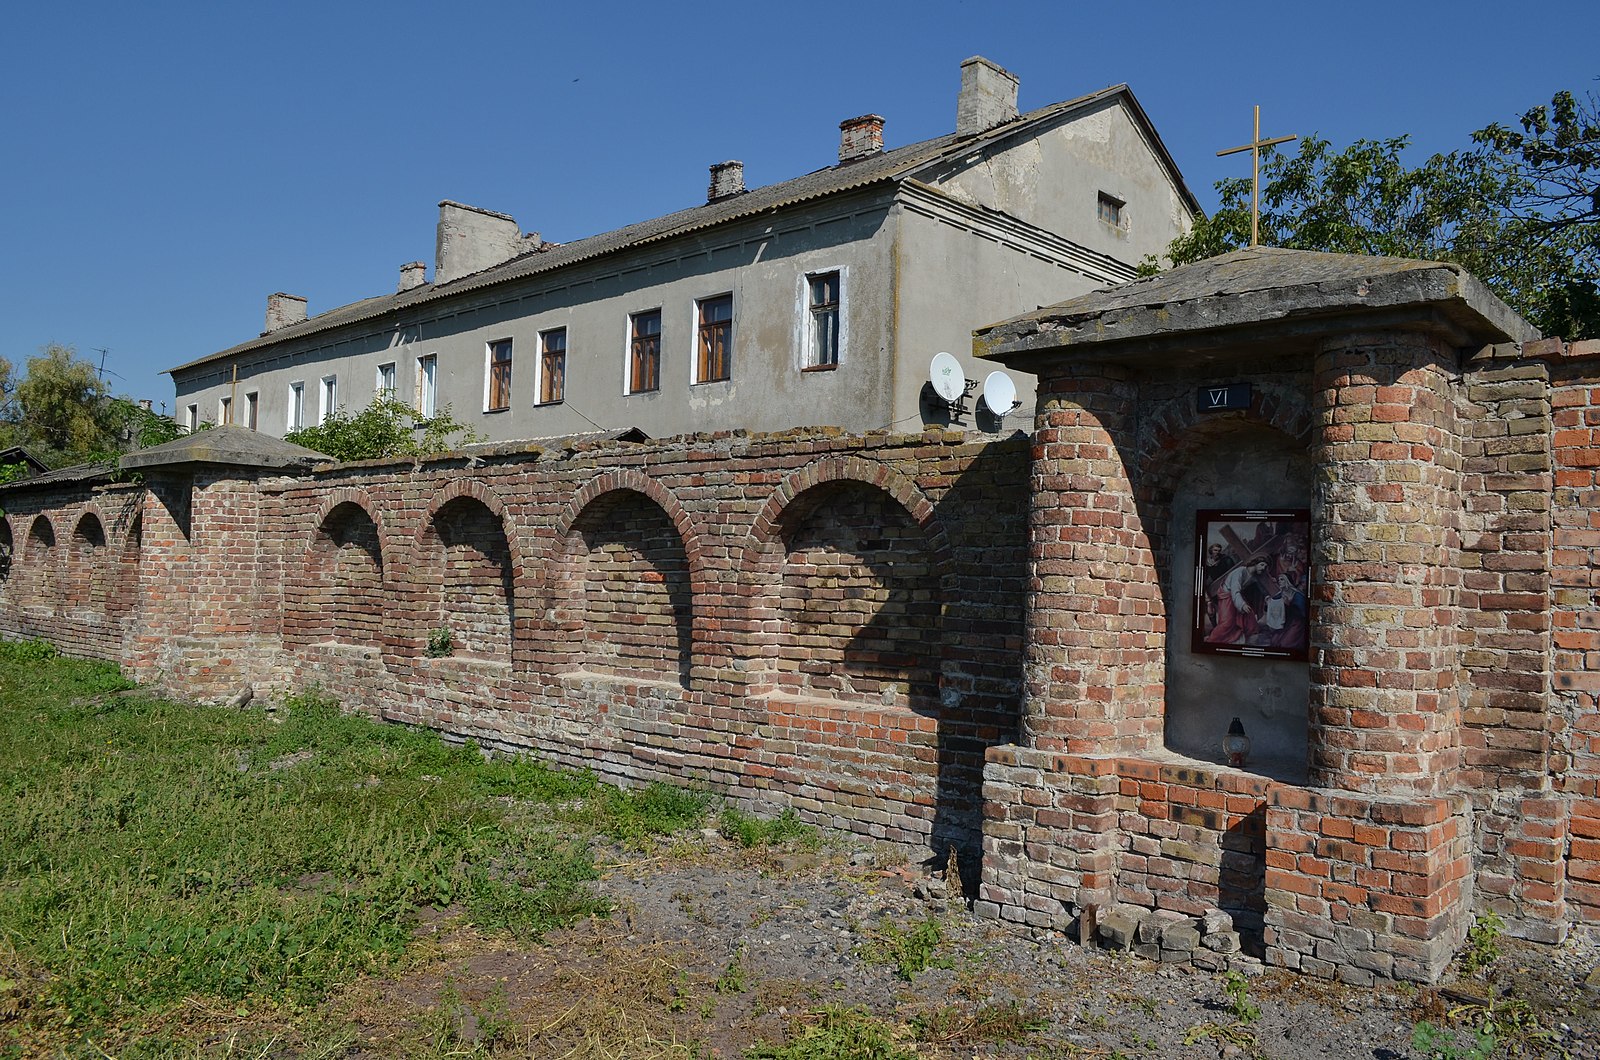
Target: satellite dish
(949, 381)
(999, 393)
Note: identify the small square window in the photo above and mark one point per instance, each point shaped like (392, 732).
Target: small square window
(1110, 209)
(553, 366)
(714, 360)
(644, 352)
(498, 392)
(822, 339)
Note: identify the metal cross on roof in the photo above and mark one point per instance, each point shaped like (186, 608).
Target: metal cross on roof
(1254, 147)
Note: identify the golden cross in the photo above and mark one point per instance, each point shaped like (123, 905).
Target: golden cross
(1254, 147)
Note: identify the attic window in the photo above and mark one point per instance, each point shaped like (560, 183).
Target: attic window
(1110, 209)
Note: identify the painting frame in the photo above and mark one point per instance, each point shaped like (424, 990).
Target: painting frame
(1251, 579)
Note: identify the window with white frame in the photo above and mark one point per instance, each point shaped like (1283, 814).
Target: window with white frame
(644, 352)
(384, 387)
(191, 417)
(497, 381)
(713, 360)
(297, 406)
(224, 411)
(330, 398)
(427, 384)
(553, 366)
(824, 298)
(252, 410)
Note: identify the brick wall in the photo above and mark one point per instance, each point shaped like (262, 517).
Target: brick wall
(855, 626)
(807, 620)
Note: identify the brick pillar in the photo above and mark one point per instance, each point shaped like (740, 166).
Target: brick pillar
(1094, 672)
(1384, 713)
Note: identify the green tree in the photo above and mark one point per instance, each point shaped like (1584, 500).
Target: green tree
(61, 407)
(64, 412)
(387, 427)
(1498, 210)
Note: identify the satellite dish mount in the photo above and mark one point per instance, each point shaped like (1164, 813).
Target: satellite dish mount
(951, 384)
(1000, 394)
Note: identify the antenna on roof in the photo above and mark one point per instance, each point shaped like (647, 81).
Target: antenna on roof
(1000, 394)
(950, 383)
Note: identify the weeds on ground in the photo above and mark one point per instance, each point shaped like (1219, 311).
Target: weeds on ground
(1237, 987)
(1504, 1022)
(836, 1033)
(1483, 943)
(732, 979)
(911, 951)
(152, 852)
(992, 1022)
(750, 831)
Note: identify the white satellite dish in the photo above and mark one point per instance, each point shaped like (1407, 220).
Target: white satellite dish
(999, 393)
(949, 381)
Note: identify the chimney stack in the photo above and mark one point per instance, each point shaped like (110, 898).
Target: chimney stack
(988, 97)
(727, 179)
(860, 137)
(471, 239)
(283, 310)
(412, 274)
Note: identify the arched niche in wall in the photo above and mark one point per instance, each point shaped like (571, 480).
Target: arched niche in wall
(125, 598)
(859, 599)
(624, 588)
(1244, 466)
(469, 558)
(39, 559)
(341, 598)
(87, 573)
(6, 548)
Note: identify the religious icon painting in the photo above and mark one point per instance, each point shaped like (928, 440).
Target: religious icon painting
(1251, 576)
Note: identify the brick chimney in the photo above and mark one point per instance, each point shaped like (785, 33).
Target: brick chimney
(860, 137)
(412, 274)
(988, 97)
(283, 310)
(472, 239)
(727, 179)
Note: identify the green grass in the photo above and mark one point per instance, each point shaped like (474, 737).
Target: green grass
(750, 831)
(152, 852)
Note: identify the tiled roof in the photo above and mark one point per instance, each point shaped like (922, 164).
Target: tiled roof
(888, 166)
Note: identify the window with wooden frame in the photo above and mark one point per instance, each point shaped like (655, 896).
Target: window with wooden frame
(225, 411)
(822, 346)
(498, 391)
(714, 361)
(644, 352)
(1109, 208)
(552, 366)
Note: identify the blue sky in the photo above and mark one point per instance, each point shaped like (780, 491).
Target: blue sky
(168, 165)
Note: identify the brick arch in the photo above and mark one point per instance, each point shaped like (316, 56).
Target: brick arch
(1176, 424)
(879, 607)
(767, 523)
(638, 482)
(481, 627)
(361, 499)
(8, 547)
(580, 594)
(86, 570)
(338, 595)
(41, 569)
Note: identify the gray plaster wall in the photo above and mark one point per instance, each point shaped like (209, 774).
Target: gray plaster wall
(1053, 181)
(951, 282)
(1253, 468)
(762, 263)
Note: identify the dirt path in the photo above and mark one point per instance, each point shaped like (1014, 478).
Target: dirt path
(714, 949)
